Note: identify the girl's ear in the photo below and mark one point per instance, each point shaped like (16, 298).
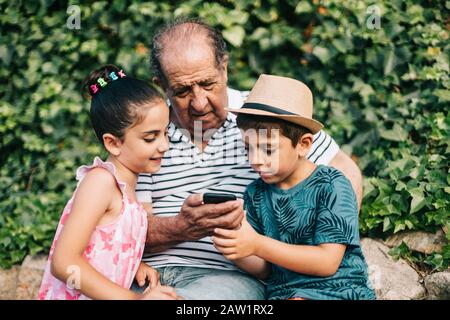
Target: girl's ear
(304, 145)
(112, 144)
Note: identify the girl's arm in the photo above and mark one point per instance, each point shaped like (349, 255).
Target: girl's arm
(322, 260)
(94, 197)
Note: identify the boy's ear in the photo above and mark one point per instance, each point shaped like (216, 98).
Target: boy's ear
(112, 144)
(304, 144)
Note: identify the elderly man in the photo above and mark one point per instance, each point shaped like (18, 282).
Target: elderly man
(190, 61)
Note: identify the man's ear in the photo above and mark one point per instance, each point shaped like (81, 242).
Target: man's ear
(304, 144)
(162, 85)
(224, 66)
(225, 60)
(157, 81)
(112, 144)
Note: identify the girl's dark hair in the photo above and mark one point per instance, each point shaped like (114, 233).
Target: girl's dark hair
(119, 104)
(288, 129)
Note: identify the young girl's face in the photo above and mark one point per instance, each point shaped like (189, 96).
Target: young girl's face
(144, 144)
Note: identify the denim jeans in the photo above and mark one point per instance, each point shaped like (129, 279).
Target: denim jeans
(210, 284)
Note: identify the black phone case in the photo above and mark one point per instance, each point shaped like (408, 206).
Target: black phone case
(217, 197)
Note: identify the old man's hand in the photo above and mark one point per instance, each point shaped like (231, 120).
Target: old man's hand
(197, 220)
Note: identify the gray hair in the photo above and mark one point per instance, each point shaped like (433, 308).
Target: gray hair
(180, 28)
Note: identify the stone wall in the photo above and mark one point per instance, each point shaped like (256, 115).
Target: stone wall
(22, 283)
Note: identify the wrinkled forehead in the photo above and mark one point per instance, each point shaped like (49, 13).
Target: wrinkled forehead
(187, 55)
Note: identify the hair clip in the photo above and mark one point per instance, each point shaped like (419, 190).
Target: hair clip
(94, 88)
(113, 76)
(101, 81)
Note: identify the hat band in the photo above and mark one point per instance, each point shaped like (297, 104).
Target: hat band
(265, 107)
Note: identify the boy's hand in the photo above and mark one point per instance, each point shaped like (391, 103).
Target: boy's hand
(236, 244)
(145, 272)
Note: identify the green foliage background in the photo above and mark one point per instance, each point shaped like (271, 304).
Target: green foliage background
(383, 94)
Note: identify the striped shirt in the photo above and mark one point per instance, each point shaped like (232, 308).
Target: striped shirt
(221, 167)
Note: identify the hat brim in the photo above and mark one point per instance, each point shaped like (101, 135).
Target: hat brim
(313, 125)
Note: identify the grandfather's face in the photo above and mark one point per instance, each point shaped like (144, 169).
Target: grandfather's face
(196, 87)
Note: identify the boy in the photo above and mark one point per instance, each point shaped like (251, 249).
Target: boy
(301, 227)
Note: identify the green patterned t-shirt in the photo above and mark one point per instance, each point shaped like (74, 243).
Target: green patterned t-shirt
(320, 209)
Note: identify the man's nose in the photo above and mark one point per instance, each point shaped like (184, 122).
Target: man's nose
(199, 100)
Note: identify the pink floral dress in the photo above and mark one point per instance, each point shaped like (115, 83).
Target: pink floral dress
(115, 249)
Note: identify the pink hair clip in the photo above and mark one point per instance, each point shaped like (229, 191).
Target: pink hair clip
(94, 88)
(121, 74)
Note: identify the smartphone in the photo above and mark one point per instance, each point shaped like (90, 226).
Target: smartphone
(217, 197)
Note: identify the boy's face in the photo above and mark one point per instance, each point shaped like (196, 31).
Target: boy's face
(272, 155)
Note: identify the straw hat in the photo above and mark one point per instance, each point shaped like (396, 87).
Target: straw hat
(283, 98)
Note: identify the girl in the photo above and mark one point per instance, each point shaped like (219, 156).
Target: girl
(101, 236)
